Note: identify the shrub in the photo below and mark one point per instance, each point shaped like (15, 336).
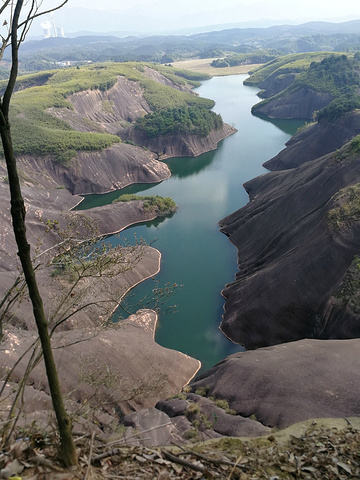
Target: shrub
(349, 290)
(348, 212)
(152, 204)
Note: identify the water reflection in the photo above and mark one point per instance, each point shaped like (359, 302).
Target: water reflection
(184, 167)
(206, 188)
(98, 200)
(289, 127)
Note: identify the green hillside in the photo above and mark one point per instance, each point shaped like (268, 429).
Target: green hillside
(37, 132)
(294, 63)
(332, 73)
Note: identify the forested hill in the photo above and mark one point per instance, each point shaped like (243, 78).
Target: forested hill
(285, 39)
(41, 108)
(297, 86)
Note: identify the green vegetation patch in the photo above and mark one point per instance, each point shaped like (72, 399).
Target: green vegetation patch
(153, 204)
(349, 290)
(63, 145)
(336, 74)
(294, 63)
(348, 212)
(195, 120)
(37, 132)
(305, 127)
(355, 144)
(259, 56)
(339, 107)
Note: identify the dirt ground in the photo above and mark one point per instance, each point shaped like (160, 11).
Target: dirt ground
(315, 449)
(203, 65)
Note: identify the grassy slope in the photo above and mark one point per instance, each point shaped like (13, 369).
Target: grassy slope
(295, 63)
(39, 133)
(339, 78)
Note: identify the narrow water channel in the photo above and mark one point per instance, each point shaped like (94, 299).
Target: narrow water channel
(206, 189)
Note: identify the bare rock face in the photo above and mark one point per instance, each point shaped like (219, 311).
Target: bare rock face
(179, 145)
(118, 368)
(315, 141)
(284, 384)
(105, 111)
(299, 103)
(291, 259)
(275, 84)
(154, 427)
(211, 418)
(100, 172)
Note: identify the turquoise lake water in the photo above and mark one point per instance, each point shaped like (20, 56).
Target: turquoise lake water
(206, 188)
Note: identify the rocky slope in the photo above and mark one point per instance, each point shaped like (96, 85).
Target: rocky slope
(275, 84)
(105, 369)
(291, 257)
(98, 172)
(176, 145)
(320, 138)
(276, 384)
(295, 103)
(248, 392)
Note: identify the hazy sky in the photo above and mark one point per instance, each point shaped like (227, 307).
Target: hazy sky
(217, 11)
(167, 16)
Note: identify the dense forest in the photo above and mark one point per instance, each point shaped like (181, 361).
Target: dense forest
(197, 120)
(334, 74)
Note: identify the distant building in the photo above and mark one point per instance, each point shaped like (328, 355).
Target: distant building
(46, 26)
(60, 32)
(50, 29)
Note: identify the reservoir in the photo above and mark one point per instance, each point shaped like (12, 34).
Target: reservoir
(194, 253)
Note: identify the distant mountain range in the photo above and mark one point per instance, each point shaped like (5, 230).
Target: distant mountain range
(138, 22)
(47, 53)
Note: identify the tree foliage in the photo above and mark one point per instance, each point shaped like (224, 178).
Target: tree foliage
(336, 74)
(195, 120)
(162, 206)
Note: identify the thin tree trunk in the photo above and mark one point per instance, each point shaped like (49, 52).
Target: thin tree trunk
(68, 452)
(67, 447)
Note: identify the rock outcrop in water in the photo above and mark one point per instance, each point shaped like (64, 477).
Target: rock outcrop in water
(115, 111)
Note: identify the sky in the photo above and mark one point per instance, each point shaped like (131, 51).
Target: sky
(231, 10)
(170, 15)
